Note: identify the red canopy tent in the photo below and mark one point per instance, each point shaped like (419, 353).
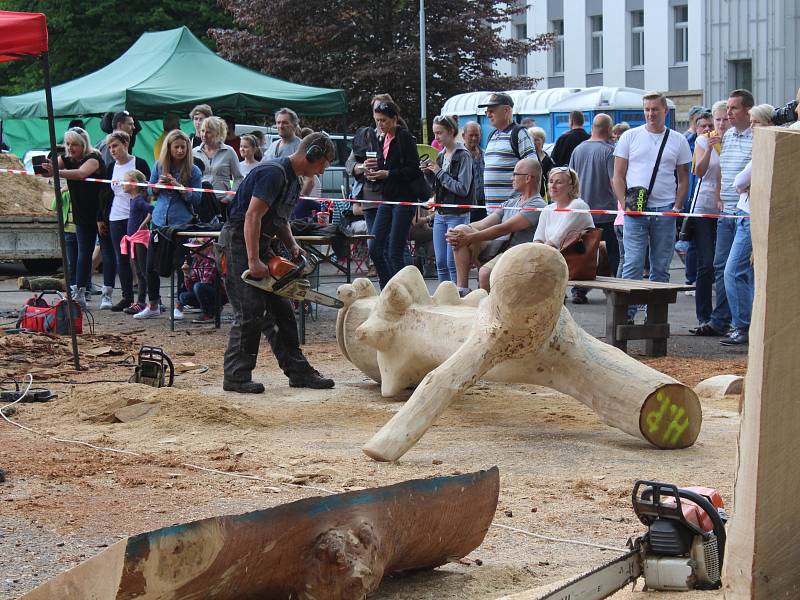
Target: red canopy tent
(24, 35)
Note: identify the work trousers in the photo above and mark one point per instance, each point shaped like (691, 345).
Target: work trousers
(256, 312)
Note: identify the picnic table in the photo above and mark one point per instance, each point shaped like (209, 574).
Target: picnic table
(620, 294)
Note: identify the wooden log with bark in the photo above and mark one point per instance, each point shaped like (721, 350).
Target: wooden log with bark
(519, 333)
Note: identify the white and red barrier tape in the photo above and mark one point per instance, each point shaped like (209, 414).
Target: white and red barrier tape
(591, 211)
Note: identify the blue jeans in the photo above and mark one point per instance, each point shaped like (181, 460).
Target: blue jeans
(721, 315)
(390, 228)
(705, 237)
(739, 277)
(445, 262)
(691, 263)
(118, 230)
(203, 296)
(659, 234)
(85, 236)
(619, 231)
(109, 258)
(71, 244)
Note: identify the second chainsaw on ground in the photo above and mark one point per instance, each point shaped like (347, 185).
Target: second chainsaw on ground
(290, 280)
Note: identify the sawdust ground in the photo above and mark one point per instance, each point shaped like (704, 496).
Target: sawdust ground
(563, 472)
(23, 194)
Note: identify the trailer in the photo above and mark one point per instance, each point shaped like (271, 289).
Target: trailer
(32, 240)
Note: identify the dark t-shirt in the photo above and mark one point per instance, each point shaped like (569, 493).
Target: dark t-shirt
(566, 144)
(84, 195)
(268, 183)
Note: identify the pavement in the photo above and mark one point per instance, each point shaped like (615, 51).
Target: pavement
(321, 327)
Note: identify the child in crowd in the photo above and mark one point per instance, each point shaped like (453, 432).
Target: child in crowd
(200, 279)
(138, 233)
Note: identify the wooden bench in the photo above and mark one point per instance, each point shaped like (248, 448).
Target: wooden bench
(620, 294)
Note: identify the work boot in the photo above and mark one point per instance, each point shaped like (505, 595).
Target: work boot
(122, 305)
(310, 379)
(243, 387)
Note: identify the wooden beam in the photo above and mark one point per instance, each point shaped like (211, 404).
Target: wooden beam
(763, 552)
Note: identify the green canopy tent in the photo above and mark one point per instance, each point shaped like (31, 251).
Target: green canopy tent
(166, 71)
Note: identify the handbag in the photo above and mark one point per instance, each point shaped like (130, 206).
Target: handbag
(581, 250)
(686, 234)
(636, 197)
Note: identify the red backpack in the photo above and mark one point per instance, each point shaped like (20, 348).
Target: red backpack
(37, 315)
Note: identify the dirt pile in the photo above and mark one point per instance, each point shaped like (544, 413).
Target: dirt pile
(23, 194)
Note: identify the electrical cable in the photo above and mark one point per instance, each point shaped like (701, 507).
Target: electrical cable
(560, 540)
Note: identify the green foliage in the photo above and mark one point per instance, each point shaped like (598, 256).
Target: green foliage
(373, 47)
(85, 35)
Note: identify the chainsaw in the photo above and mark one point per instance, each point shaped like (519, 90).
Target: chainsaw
(289, 280)
(154, 368)
(682, 550)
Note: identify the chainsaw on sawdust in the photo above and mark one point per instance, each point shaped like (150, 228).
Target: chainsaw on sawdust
(682, 550)
(289, 280)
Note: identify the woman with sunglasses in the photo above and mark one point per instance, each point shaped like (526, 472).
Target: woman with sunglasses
(452, 184)
(564, 190)
(397, 167)
(79, 162)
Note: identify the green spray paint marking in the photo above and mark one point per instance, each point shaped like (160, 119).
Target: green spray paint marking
(676, 419)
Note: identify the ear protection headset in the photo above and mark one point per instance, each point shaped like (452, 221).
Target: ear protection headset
(317, 150)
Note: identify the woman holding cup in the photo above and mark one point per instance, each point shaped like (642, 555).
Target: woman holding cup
(396, 165)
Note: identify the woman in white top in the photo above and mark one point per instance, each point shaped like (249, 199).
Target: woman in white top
(251, 153)
(220, 160)
(564, 189)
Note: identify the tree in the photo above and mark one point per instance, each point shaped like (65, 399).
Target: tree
(371, 47)
(85, 35)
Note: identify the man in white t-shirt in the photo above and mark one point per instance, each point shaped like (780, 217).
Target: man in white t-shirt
(634, 162)
(286, 121)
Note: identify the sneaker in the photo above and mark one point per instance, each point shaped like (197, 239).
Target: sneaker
(462, 292)
(243, 387)
(121, 305)
(190, 309)
(707, 330)
(105, 303)
(310, 379)
(203, 320)
(134, 308)
(177, 314)
(579, 299)
(737, 337)
(148, 313)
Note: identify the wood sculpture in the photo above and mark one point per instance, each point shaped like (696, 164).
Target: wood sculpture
(332, 548)
(520, 333)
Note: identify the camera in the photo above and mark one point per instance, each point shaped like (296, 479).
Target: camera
(785, 114)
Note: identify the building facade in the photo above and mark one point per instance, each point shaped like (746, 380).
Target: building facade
(695, 50)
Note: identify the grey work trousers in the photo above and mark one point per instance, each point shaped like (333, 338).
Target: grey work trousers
(256, 312)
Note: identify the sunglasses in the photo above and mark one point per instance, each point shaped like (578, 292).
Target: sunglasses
(386, 109)
(560, 170)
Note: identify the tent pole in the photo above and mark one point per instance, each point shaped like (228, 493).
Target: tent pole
(59, 204)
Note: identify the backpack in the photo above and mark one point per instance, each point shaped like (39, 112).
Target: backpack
(515, 129)
(39, 316)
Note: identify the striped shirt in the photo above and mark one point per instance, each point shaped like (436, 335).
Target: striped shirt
(737, 150)
(500, 161)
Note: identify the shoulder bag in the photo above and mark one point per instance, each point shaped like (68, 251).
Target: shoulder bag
(581, 249)
(636, 197)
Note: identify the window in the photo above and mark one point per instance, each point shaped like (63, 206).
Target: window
(740, 74)
(597, 42)
(558, 47)
(681, 35)
(521, 31)
(637, 39)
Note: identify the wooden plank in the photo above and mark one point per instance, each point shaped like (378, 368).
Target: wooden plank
(337, 546)
(642, 332)
(762, 552)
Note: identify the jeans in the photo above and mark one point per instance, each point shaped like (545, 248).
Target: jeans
(705, 237)
(119, 230)
(86, 236)
(71, 243)
(739, 278)
(256, 313)
(690, 269)
(202, 295)
(721, 315)
(390, 228)
(445, 262)
(659, 233)
(369, 217)
(619, 232)
(109, 258)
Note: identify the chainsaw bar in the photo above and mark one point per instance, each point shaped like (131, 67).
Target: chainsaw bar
(603, 581)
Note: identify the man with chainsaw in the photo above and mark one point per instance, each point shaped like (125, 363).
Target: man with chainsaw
(259, 211)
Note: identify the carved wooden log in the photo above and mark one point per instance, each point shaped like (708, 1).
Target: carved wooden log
(332, 548)
(39, 284)
(519, 333)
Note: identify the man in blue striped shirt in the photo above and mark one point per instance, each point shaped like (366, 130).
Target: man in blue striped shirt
(737, 145)
(501, 155)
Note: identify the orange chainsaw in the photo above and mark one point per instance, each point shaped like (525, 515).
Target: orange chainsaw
(289, 280)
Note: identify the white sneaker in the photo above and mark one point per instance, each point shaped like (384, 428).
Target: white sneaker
(148, 313)
(177, 314)
(79, 295)
(105, 298)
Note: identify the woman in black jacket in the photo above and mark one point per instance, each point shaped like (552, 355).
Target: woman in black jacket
(115, 206)
(397, 166)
